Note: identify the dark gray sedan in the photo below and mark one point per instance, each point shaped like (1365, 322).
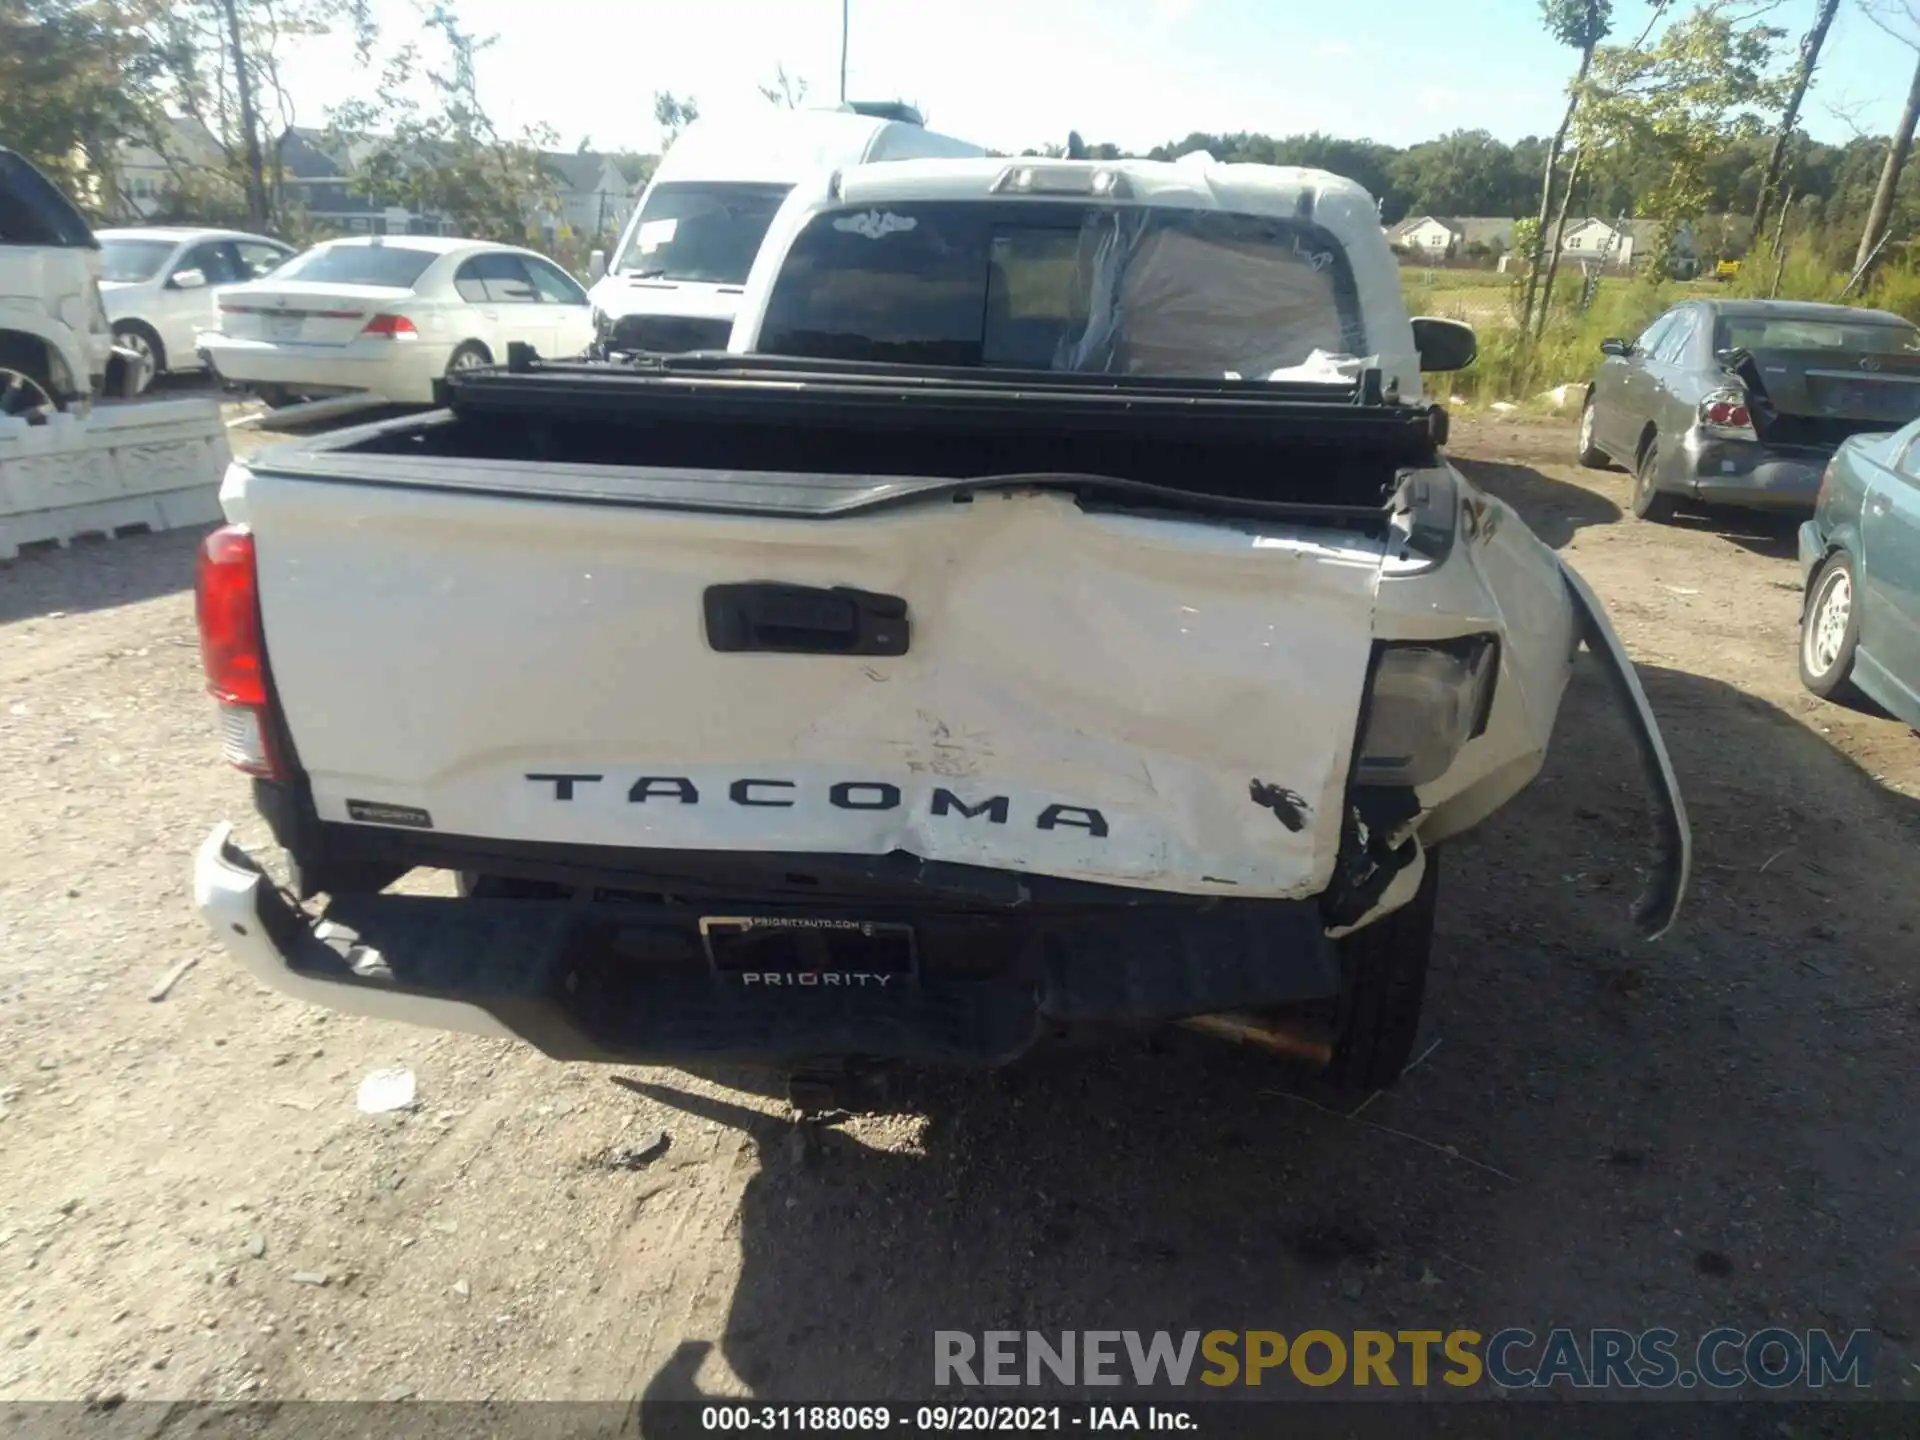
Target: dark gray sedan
(1860, 553)
(1742, 402)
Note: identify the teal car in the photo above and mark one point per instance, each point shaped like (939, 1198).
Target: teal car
(1860, 558)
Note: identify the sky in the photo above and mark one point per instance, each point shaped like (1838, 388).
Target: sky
(1011, 74)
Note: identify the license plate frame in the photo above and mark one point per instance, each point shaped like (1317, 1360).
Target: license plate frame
(768, 952)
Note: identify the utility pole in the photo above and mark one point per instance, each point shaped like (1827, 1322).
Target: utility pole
(844, 4)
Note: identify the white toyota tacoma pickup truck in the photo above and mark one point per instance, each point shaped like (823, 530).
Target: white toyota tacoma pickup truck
(1055, 609)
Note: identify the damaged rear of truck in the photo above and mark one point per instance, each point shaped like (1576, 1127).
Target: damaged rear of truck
(1057, 612)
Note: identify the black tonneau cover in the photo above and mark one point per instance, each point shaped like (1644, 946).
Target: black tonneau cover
(766, 389)
(810, 440)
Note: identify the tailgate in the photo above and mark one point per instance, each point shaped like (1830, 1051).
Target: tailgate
(1094, 696)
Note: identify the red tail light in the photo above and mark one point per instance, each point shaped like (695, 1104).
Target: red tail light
(227, 603)
(1728, 413)
(391, 326)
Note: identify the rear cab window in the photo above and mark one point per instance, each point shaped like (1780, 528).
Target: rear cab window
(1066, 286)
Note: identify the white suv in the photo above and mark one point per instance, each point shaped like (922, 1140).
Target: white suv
(160, 282)
(55, 341)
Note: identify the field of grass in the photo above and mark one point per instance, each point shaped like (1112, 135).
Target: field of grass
(1485, 297)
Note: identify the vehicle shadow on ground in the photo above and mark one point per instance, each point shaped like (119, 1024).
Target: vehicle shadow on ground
(1710, 1129)
(1764, 533)
(1553, 509)
(97, 573)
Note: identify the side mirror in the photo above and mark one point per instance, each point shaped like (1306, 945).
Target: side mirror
(1620, 349)
(597, 266)
(1444, 344)
(188, 280)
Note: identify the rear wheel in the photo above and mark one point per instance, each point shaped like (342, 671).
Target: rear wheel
(1650, 503)
(1830, 630)
(1585, 451)
(1383, 971)
(132, 335)
(470, 356)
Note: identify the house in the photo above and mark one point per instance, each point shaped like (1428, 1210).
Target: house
(592, 196)
(148, 176)
(318, 172)
(1439, 237)
(1620, 244)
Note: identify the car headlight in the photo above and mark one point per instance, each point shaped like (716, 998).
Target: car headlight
(1425, 700)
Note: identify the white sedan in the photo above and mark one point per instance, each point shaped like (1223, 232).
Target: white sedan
(159, 284)
(389, 315)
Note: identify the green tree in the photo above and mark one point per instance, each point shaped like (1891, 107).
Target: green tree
(77, 78)
(1464, 172)
(786, 91)
(1662, 114)
(1582, 24)
(1900, 19)
(449, 160)
(1810, 46)
(673, 114)
(222, 67)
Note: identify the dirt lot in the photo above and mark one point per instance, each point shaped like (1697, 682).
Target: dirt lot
(1719, 1128)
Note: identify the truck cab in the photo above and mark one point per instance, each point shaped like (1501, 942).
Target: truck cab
(676, 277)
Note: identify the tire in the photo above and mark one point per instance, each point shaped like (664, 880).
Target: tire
(469, 356)
(26, 383)
(1830, 630)
(1649, 503)
(1383, 972)
(1591, 456)
(143, 340)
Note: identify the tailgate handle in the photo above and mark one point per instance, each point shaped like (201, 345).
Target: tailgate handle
(771, 617)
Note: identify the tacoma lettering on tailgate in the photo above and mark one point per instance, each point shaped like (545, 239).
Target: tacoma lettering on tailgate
(769, 793)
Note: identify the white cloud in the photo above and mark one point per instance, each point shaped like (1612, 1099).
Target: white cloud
(1173, 11)
(1332, 50)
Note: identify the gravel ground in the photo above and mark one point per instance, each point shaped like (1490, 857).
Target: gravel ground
(1718, 1128)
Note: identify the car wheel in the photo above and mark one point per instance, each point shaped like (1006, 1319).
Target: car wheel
(1585, 451)
(26, 389)
(470, 356)
(1649, 503)
(1830, 630)
(147, 345)
(1383, 981)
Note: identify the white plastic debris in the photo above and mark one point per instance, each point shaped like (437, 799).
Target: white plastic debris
(384, 1091)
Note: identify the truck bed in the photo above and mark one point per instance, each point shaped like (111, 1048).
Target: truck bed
(786, 437)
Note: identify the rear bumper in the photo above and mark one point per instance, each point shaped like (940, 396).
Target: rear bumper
(1752, 476)
(402, 371)
(587, 981)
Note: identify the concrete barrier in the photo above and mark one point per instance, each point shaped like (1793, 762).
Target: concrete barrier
(155, 465)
